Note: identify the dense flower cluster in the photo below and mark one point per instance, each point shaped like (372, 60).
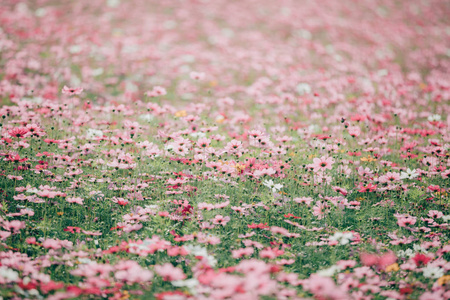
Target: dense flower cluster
(270, 149)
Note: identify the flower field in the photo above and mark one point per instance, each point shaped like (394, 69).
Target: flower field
(212, 149)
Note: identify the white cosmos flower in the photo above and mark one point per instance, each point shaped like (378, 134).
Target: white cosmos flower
(277, 187)
(201, 251)
(33, 190)
(329, 272)
(93, 133)
(405, 253)
(432, 118)
(146, 118)
(198, 134)
(303, 88)
(84, 260)
(113, 3)
(342, 238)
(418, 248)
(189, 283)
(270, 184)
(432, 272)
(9, 275)
(409, 174)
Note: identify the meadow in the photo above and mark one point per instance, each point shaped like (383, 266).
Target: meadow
(220, 149)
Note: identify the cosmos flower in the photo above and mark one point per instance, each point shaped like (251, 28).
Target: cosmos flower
(323, 163)
(72, 91)
(275, 187)
(409, 174)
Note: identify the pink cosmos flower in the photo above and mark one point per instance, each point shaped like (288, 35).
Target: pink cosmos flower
(4, 234)
(270, 253)
(233, 146)
(324, 287)
(35, 130)
(368, 259)
(157, 91)
(52, 244)
(132, 227)
(221, 220)
(177, 251)
(130, 272)
(203, 142)
(18, 132)
(306, 200)
(368, 188)
(242, 252)
(403, 221)
(437, 295)
(206, 225)
(14, 225)
(48, 194)
(435, 214)
(387, 259)
(285, 261)
(365, 171)
(163, 213)
(323, 163)
(93, 233)
(197, 75)
(169, 273)
(72, 91)
(320, 209)
(354, 131)
(381, 261)
(77, 200)
(181, 150)
(338, 189)
(421, 259)
(389, 177)
(344, 264)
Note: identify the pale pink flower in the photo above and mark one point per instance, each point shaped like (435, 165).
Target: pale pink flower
(130, 272)
(203, 143)
(72, 91)
(306, 200)
(320, 209)
(354, 131)
(52, 244)
(4, 234)
(242, 252)
(435, 214)
(14, 225)
(323, 163)
(197, 75)
(221, 220)
(169, 273)
(77, 200)
(403, 221)
(157, 91)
